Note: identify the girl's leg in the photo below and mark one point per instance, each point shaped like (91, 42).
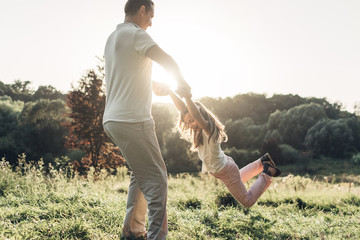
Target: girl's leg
(230, 176)
(251, 170)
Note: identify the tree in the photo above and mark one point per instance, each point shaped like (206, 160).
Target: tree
(294, 123)
(240, 106)
(165, 118)
(40, 133)
(354, 124)
(244, 134)
(271, 146)
(330, 138)
(284, 102)
(20, 90)
(9, 112)
(175, 151)
(357, 109)
(17, 91)
(48, 92)
(87, 103)
(177, 155)
(333, 110)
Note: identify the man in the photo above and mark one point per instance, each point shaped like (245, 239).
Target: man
(129, 52)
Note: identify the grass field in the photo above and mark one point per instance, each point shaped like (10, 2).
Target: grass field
(35, 205)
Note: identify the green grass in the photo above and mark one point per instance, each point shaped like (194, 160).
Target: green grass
(35, 205)
(334, 170)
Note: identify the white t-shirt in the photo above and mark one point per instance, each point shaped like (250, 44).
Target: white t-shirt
(128, 75)
(211, 154)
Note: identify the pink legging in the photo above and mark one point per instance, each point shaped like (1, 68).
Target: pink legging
(234, 181)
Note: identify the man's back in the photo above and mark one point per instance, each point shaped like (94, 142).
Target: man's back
(128, 75)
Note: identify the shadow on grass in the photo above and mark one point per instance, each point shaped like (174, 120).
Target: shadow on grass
(302, 205)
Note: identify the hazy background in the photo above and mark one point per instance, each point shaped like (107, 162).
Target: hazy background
(226, 47)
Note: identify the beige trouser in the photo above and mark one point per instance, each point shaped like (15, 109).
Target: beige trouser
(148, 181)
(234, 180)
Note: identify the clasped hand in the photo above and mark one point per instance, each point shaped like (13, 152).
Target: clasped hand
(162, 89)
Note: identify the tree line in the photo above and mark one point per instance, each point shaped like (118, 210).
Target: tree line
(66, 129)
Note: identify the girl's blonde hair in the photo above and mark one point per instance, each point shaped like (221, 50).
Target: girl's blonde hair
(217, 129)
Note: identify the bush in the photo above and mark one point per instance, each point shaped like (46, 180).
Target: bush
(271, 146)
(294, 123)
(289, 154)
(178, 157)
(241, 156)
(244, 134)
(356, 159)
(330, 138)
(76, 155)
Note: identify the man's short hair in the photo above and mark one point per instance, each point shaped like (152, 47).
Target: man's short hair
(132, 6)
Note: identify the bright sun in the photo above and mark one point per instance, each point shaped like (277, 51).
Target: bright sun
(160, 75)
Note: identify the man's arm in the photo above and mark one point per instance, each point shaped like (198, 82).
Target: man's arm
(166, 61)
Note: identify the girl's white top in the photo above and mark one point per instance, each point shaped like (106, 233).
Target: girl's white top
(211, 154)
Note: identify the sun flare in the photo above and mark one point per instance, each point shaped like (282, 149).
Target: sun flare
(160, 75)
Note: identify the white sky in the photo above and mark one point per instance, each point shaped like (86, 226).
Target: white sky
(223, 47)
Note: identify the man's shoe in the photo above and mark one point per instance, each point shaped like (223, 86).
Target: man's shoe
(132, 237)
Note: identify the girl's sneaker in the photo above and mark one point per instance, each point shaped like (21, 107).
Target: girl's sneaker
(267, 159)
(271, 173)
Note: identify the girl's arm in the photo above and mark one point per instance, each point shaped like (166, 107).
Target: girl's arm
(195, 113)
(162, 89)
(180, 105)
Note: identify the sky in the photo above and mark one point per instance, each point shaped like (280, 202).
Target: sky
(223, 47)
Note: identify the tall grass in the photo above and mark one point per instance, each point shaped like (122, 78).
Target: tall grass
(57, 204)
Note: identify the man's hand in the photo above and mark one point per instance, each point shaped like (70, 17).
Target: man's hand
(160, 89)
(184, 90)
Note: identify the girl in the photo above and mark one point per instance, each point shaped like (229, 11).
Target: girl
(201, 127)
